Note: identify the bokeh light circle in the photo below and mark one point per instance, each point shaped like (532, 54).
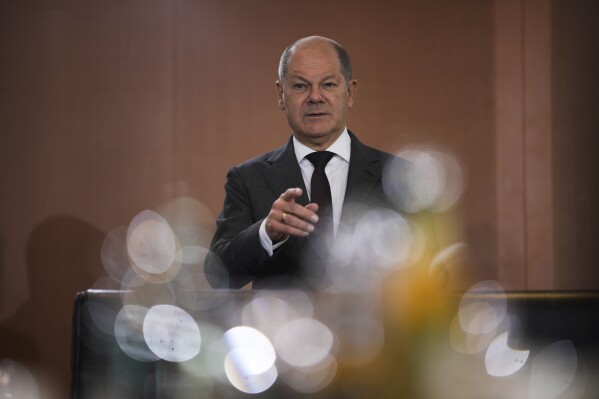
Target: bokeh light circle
(553, 370)
(383, 237)
(501, 360)
(151, 243)
(128, 330)
(483, 307)
(171, 333)
(250, 363)
(114, 254)
(16, 381)
(423, 178)
(269, 312)
(311, 379)
(304, 342)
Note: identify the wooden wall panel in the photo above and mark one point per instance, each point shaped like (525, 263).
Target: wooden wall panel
(575, 95)
(538, 172)
(510, 152)
(86, 108)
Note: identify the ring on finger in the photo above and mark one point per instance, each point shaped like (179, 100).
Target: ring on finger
(284, 216)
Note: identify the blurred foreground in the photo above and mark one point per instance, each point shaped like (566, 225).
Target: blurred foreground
(401, 317)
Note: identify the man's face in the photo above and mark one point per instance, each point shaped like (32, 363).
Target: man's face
(315, 96)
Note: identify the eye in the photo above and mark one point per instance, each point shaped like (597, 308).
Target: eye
(330, 85)
(299, 86)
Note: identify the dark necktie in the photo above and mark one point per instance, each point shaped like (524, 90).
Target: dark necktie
(321, 192)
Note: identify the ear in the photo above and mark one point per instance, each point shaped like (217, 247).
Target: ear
(280, 95)
(352, 89)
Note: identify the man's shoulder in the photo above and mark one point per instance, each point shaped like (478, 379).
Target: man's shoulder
(369, 152)
(264, 160)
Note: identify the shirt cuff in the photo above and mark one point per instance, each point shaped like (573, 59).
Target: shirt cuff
(267, 242)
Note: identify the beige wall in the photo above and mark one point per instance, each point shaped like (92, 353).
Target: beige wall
(111, 107)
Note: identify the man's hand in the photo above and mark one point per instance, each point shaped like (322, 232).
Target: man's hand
(286, 217)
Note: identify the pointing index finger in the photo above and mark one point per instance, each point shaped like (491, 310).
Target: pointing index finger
(291, 194)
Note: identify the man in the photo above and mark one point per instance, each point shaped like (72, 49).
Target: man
(267, 230)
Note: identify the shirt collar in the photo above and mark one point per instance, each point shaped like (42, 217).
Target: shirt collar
(341, 147)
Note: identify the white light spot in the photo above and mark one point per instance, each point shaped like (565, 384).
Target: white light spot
(151, 243)
(501, 360)
(250, 362)
(171, 333)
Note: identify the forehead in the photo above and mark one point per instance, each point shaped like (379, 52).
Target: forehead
(314, 61)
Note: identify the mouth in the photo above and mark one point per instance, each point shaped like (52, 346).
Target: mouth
(315, 114)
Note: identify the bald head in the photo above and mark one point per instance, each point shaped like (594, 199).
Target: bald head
(320, 44)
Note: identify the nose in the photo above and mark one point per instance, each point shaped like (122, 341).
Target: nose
(315, 95)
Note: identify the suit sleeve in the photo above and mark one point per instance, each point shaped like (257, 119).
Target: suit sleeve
(235, 252)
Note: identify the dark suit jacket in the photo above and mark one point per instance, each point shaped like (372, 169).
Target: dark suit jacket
(251, 188)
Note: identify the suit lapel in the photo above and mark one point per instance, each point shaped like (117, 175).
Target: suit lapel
(284, 172)
(365, 171)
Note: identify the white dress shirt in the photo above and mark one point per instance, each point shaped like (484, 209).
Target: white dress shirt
(336, 171)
